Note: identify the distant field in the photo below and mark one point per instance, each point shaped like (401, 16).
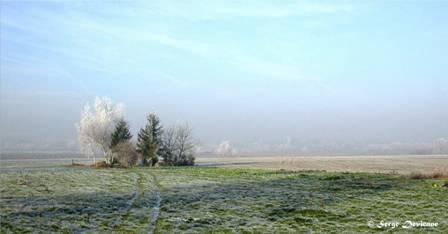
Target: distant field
(403, 164)
(55, 198)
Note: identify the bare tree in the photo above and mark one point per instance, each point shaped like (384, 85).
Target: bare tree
(178, 148)
(184, 145)
(168, 147)
(97, 125)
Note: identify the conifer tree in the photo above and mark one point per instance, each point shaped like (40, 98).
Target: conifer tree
(150, 139)
(121, 133)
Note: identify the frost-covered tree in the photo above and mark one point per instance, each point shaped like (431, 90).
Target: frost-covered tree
(121, 133)
(149, 140)
(97, 125)
(225, 149)
(440, 146)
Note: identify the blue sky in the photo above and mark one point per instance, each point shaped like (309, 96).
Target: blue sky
(243, 71)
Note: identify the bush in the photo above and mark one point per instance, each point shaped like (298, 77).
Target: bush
(125, 154)
(188, 160)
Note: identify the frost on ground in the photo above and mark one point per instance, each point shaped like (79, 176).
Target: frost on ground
(218, 200)
(262, 201)
(75, 200)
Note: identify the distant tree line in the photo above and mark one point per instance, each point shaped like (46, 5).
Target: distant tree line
(102, 130)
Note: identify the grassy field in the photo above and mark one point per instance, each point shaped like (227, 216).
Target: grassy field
(213, 200)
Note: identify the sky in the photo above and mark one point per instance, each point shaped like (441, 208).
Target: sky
(246, 72)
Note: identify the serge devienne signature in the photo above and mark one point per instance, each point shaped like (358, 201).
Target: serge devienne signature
(406, 224)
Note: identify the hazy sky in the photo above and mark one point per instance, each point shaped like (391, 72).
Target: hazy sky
(243, 71)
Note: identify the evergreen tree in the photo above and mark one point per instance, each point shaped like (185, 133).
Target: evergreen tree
(121, 133)
(150, 139)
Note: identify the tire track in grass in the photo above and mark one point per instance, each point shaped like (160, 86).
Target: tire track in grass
(156, 210)
(135, 194)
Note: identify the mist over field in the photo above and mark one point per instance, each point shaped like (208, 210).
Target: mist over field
(301, 77)
(218, 116)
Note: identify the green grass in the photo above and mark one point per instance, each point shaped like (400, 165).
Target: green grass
(214, 200)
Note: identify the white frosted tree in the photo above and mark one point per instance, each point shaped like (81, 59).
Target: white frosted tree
(97, 125)
(225, 149)
(440, 146)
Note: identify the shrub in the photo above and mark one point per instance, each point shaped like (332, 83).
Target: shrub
(125, 154)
